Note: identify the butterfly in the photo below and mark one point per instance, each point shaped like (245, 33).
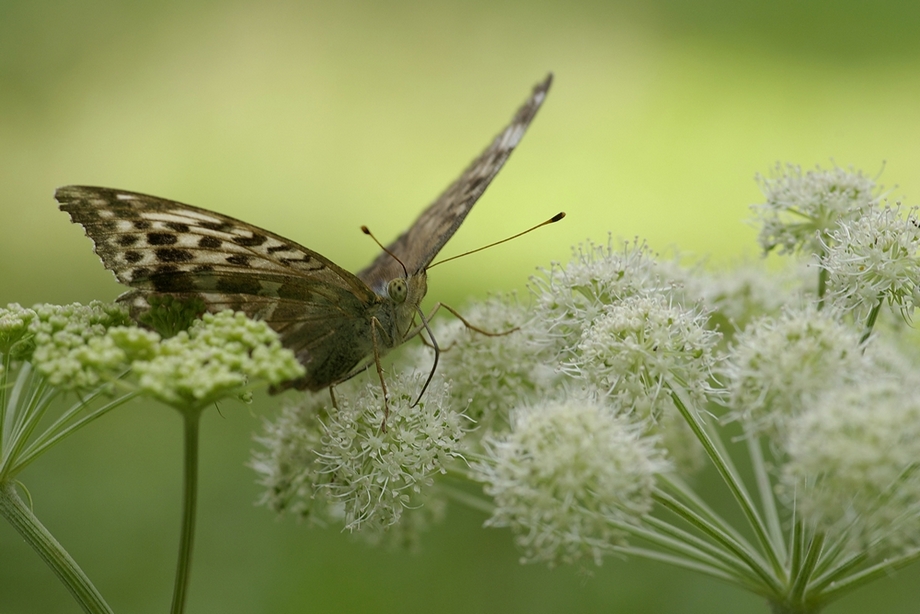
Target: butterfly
(334, 321)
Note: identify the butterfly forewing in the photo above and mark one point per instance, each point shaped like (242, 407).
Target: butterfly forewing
(333, 321)
(161, 245)
(418, 246)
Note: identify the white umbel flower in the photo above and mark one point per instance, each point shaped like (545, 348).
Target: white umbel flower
(570, 297)
(802, 208)
(339, 464)
(566, 476)
(853, 465)
(628, 351)
(491, 374)
(875, 259)
(778, 366)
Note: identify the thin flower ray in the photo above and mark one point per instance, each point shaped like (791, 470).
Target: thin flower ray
(731, 479)
(677, 540)
(742, 552)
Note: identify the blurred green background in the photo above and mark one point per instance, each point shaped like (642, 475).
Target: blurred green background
(311, 119)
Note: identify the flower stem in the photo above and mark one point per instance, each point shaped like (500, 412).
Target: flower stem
(18, 514)
(684, 493)
(765, 489)
(66, 425)
(192, 421)
(690, 547)
(468, 499)
(739, 555)
(822, 286)
(731, 479)
(884, 568)
(870, 321)
(683, 563)
(806, 570)
(785, 608)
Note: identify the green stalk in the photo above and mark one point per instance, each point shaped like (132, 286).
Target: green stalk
(680, 490)
(18, 514)
(742, 552)
(26, 406)
(191, 423)
(731, 479)
(683, 563)
(689, 546)
(468, 499)
(765, 489)
(4, 385)
(785, 608)
(870, 321)
(822, 286)
(838, 588)
(60, 429)
(806, 570)
(796, 546)
(833, 561)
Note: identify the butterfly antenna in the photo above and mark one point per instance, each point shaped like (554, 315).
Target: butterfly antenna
(551, 220)
(437, 353)
(368, 232)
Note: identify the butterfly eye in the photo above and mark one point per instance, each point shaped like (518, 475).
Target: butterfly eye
(397, 290)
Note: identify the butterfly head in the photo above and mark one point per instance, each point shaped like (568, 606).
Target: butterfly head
(391, 279)
(402, 295)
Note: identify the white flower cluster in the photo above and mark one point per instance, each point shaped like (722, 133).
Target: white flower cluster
(854, 465)
(779, 366)
(802, 208)
(629, 350)
(838, 403)
(736, 297)
(875, 258)
(359, 463)
(489, 374)
(567, 476)
(570, 297)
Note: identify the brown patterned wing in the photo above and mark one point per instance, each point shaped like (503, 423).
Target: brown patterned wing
(162, 247)
(418, 246)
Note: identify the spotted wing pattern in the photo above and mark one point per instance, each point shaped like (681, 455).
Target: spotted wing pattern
(418, 246)
(158, 246)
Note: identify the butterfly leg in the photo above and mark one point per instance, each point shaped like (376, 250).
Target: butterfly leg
(332, 396)
(434, 343)
(466, 323)
(375, 324)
